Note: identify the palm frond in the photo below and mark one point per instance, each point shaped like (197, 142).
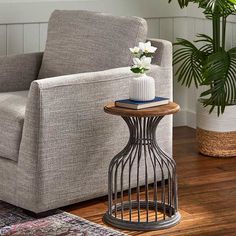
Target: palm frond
(219, 8)
(220, 75)
(190, 60)
(207, 48)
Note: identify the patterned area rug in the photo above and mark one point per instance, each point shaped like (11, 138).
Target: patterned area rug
(14, 222)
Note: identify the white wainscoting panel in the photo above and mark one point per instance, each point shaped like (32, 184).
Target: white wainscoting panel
(31, 38)
(43, 28)
(180, 29)
(3, 40)
(167, 28)
(234, 34)
(15, 39)
(154, 27)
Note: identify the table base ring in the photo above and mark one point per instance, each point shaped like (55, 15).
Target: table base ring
(171, 219)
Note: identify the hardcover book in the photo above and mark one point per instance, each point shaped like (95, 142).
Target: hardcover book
(137, 105)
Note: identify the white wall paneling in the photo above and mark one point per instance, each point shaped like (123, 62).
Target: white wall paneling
(15, 39)
(229, 39)
(154, 27)
(166, 28)
(180, 28)
(3, 40)
(31, 38)
(43, 28)
(234, 35)
(23, 29)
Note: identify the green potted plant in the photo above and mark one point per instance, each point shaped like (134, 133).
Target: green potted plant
(213, 66)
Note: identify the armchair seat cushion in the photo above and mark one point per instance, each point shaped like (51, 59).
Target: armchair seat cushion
(12, 112)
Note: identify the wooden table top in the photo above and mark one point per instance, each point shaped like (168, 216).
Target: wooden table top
(163, 110)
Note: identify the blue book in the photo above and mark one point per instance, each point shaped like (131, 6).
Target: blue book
(137, 105)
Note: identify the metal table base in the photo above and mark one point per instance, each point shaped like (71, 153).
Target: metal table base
(140, 163)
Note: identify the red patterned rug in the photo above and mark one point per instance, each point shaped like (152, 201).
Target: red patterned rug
(14, 222)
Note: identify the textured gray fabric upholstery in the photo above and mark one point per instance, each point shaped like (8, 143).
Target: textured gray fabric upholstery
(12, 113)
(17, 72)
(163, 57)
(83, 41)
(68, 141)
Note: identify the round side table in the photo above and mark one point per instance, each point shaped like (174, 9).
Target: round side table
(149, 174)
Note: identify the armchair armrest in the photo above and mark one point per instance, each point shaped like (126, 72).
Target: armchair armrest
(65, 129)
(17, 72)
(163, 56)
(61, 104)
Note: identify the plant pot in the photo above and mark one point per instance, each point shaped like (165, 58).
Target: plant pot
(216, 136)
(142, 88)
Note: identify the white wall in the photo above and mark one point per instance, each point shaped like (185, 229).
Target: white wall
(23, 28)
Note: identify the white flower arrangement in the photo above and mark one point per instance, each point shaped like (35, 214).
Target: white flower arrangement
(142, 57)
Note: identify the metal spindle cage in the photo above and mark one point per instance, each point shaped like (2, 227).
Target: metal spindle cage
(142, 182)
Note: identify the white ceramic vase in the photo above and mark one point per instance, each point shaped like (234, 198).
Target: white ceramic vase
(142, 88)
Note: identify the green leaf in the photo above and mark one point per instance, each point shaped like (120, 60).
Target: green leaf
(136, 70)
(220, 75)
(190, 60)
(218, 8)
(207, 48)
(233, 1)
(139, 70)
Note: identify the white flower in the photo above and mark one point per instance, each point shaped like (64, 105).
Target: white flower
(142, 57)
(147, 47)
(135, 50)
(144, 62)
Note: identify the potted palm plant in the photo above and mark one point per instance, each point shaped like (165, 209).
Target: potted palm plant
(213, 66)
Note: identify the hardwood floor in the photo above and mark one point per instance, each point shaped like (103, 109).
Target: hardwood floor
(207, 193)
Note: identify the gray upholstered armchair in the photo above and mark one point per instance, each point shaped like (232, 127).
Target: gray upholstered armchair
(55, 140)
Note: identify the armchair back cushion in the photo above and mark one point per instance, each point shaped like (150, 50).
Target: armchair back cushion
(82, 41)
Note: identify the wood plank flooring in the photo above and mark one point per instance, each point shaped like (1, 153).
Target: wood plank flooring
(207, 193)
